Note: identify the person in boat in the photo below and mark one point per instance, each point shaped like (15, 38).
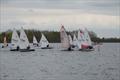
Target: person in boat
(48, 45)
(69, 49)
(73, 46)
(28, 47)
(18, 48)
(90, 47)
(37, 45)
(2, 46)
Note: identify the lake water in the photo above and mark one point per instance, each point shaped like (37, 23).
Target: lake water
(55, 64)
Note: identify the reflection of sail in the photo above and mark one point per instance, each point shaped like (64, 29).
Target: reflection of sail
(44, 42)
(15, 40)
(64, 38)
(24, 43)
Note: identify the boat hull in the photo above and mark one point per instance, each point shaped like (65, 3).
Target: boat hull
(26, 50)
(14, 50)
(47, 48)
(69, 49)
(86, 50)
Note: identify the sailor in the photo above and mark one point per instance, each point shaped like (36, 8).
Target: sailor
(69, 49)
(48, 45)
(28, 47)
(17, 48)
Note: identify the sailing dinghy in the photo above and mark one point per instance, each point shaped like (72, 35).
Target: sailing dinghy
(83, 43)
(88, 40)
(15, 41)
(24, 43)
(35, 43)
(65, 41)
(44, 44)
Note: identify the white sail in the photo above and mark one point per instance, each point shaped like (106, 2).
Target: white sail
(5, 41)
(70, 39)
(43, 42)
(34, 40)
(75, 41)
(24, 43)
(80, 39)
(15, 40)
(64, 38)
(87, 37)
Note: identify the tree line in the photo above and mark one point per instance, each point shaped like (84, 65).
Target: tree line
(53, 36)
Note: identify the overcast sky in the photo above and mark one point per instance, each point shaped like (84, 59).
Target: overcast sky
(100, 16)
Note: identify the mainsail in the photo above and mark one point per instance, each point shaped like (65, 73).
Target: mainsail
(80, 39)
(87, 37)
(70, 39)
(64, 38)
(15, 40)
(34, 40)
(84, 40)
(24, 43)
(44, 42)
(75, 41)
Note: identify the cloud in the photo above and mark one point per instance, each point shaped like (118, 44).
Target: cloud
(95, 6)
(99, 15)
(57, 16)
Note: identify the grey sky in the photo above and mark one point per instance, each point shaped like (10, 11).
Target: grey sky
(97, 6)
(98, 15)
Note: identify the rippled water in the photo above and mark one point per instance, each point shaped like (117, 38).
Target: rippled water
(55, 64)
